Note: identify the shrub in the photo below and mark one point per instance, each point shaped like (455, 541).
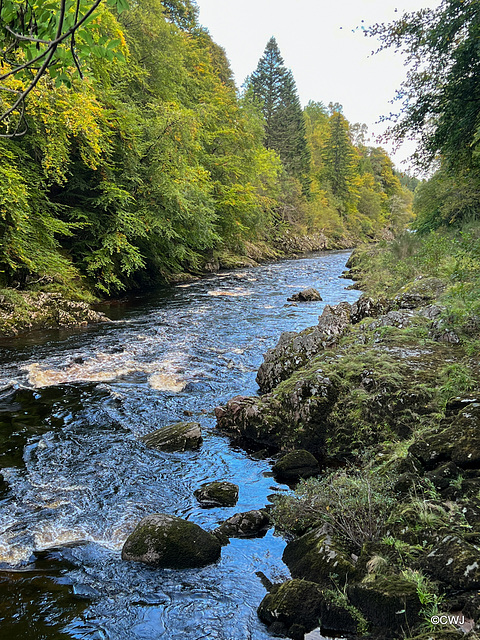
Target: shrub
(356, 504)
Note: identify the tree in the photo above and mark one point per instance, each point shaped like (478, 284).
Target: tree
(274, 87)
(40, 38)
(440, 98)
(339, 156)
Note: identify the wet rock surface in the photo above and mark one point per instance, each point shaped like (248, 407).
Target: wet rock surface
(181, 436)
(306, 295)
(217, 494)
(249, 524)
(165, 541)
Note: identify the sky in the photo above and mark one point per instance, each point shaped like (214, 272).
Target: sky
(322, 42)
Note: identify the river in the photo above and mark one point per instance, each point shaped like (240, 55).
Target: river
(77, 479)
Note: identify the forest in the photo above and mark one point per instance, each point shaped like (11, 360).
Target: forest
(128, 156)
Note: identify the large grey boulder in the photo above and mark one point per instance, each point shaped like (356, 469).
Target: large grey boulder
(180, 436)
(165, 541)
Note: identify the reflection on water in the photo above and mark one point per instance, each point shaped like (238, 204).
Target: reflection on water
(72, 407)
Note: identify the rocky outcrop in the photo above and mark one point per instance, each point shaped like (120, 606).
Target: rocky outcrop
(165, 541)
(294, 350)
(459, 442)
(217, 494)
(388, 603)
(295, 465)
(181, 436)
(21, 312)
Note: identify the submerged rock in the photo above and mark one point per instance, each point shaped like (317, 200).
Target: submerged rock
(307, 295)
(249, 524)
(165, 541)
(295, 465)
(217, 494)
(180, 436)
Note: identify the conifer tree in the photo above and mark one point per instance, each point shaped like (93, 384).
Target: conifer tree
(285, 132)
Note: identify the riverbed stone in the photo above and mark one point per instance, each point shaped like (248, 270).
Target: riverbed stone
(306, 295)
(217, 494)
(295, 465)
(165, 541)
(293, 607)
(249, 524)
(316, 556)
(180, 436)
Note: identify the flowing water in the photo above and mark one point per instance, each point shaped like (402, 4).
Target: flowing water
(77, 478)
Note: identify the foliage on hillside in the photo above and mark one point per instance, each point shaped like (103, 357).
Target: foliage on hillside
(151, 164)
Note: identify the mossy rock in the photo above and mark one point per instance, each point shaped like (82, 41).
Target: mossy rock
(250, 524)
(217, 494)
(459, 442)
(165, 541)
(295, 465)
(295, 603)
(337, 617)
(315, 556)
(454, 562)
(419, 292)
(181, 436)
(390, 602)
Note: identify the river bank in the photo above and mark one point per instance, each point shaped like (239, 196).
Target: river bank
(384, 393)
(50, 306)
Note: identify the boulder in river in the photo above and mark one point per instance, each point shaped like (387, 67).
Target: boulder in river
(307, 295)
(180, 436)
(292, 608)
(217, 494)
(165, 541)
(295, 465)
(250, 524)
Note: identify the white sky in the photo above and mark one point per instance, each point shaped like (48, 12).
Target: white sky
(330, 58)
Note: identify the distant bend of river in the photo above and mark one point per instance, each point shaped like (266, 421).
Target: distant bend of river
(77, 479)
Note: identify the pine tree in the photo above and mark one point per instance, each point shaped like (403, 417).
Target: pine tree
(339, 156)
(274, 87)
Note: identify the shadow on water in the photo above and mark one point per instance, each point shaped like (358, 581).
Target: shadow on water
(77, 479)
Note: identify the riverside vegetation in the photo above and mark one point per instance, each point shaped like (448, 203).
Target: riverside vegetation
(150, 166)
